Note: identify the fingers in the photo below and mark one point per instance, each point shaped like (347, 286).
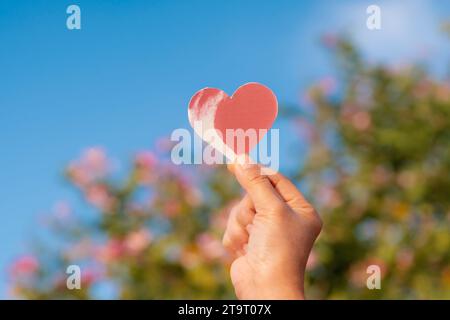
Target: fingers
(288, 191)
(258, 186)
(236, 233)
(284, 187)
(246, 212)
(293, 197)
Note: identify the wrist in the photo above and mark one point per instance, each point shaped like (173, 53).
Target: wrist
(280, 292)
(283, 287)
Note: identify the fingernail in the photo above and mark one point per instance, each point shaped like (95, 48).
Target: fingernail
(245, 166)
(244, 162)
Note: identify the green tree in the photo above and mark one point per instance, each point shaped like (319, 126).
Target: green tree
(377, 169)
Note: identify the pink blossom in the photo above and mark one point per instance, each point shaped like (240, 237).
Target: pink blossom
(99, 196)
(145, 159)
(89, 276)
(78, 175)
(209, 246)
(112, 251)
(24, 266)
(94, 160)
(361, 120)
(92, 166)
(137, 241)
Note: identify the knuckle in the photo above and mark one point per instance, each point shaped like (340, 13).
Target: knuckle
(234, 210)
(244, 217)
(238, 235)
(256, 178)
(226, 242)
(232, 238)
(316, 224)
(278, 207)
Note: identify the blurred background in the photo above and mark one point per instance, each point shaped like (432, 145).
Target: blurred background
(85, 117)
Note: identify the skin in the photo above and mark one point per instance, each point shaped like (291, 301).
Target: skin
(269, 235)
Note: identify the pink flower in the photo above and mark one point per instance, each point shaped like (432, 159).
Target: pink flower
(145, 159)
(94, 160)
(112, 251)
(361, 120)
(210, 247)
(99, 196)
(24, 266)
(78, 175)
(92, 166)
(137, 241)
(89, 276)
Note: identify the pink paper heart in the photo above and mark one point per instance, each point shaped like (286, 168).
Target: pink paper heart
(252, 106)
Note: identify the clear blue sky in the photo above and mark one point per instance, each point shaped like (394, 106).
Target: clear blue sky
(125, 78)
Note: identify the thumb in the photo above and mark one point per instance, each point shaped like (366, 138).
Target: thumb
(258, 186)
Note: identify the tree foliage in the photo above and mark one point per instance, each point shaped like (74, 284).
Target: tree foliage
(377, 170)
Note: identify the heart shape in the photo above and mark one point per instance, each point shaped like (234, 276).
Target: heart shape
(233, 125)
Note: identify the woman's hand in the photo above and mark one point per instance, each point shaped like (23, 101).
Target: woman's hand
(270, 234)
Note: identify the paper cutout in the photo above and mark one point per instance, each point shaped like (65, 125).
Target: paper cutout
(233, 125)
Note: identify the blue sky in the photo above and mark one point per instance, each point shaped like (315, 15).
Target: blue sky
(126, 77)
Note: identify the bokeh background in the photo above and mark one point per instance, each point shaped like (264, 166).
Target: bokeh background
(85, 115)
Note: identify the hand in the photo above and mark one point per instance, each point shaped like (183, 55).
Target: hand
(269, 234)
